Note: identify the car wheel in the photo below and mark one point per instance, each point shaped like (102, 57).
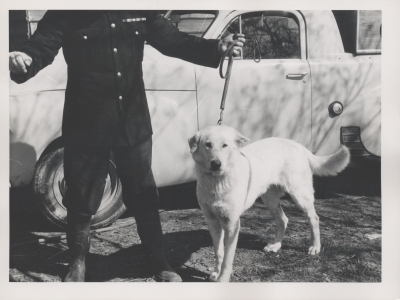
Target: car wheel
(49, 187)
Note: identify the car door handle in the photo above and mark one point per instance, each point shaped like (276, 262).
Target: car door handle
(296, 76)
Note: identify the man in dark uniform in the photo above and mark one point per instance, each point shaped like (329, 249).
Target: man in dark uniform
(106, 109)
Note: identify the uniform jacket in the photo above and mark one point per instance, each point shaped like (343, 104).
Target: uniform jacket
(105, 101)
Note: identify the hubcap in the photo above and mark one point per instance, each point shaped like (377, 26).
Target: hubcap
(110, 189)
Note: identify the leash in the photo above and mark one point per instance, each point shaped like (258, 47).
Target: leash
(227, 76)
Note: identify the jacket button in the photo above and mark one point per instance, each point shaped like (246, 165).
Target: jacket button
(136, 33)
(85, 37)
(119, 74)
(112, 25)
(115, 50)
(120, 97)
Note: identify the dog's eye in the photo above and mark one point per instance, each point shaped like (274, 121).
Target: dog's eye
(208, 145)
(224, 145)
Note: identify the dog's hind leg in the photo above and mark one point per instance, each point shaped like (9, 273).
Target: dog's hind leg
(304, 198)
(271, 199)
(217, 236)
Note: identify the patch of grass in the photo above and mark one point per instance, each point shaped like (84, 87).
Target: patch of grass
(347, 255)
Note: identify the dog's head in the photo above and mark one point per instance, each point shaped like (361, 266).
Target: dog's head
(215, 148)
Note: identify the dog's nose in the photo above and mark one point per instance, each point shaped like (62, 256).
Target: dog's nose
(215, 165)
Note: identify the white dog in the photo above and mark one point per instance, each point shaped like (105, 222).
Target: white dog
(230, 179)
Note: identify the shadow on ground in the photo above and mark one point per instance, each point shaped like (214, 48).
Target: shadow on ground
(48, 262)
(361, 180)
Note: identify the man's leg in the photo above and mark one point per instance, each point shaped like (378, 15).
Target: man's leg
(141, 198)
(85, 172)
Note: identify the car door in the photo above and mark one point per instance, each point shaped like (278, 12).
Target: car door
(269, 98)
(349, 76)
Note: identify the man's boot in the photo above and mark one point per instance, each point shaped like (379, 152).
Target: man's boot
(150, 233)
(78, 240)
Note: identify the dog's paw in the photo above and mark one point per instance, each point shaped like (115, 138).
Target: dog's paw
(314, 249)
(272, 247)
(214, 277)
(224, 278)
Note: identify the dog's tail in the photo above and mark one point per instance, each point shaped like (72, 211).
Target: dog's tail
(329, 165)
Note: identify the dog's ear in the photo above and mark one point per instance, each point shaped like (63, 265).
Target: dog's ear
(194, 141)
(240, 139)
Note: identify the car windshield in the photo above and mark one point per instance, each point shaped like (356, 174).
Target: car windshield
(193, 22)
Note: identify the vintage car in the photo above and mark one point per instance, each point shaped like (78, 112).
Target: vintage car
(318, 83)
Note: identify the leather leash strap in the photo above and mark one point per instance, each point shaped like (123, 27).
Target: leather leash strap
(227, 76)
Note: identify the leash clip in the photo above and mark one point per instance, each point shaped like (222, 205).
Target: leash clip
(221, 115)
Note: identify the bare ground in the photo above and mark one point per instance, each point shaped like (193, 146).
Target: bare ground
(350, 235)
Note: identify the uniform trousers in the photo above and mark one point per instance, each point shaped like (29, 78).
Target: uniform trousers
(86, 170)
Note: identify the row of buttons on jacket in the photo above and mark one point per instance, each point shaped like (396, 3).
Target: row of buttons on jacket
(115, 51)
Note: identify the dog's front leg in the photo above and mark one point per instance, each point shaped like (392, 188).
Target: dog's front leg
(231, 233)
(217, 236)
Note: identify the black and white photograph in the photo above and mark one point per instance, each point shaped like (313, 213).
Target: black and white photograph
(200, 147)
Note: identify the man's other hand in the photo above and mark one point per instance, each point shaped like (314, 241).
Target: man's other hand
(18, 62)
(225, 43)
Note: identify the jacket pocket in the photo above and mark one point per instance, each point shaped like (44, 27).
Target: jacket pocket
(133, 38)
(85, 48)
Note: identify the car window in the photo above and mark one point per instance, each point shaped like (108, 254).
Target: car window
(22, 24)
(369, 35)
(360, 30)
(277, 35)
(192, 22)
(33, 17)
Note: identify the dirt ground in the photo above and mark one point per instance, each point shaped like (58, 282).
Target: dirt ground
(350, 234)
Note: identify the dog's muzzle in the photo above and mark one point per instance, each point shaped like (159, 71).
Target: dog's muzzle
(215, 165)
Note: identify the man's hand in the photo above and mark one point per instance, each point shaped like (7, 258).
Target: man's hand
(18, 62)
(228, 40)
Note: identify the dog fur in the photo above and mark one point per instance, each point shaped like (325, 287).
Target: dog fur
(230, 178)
